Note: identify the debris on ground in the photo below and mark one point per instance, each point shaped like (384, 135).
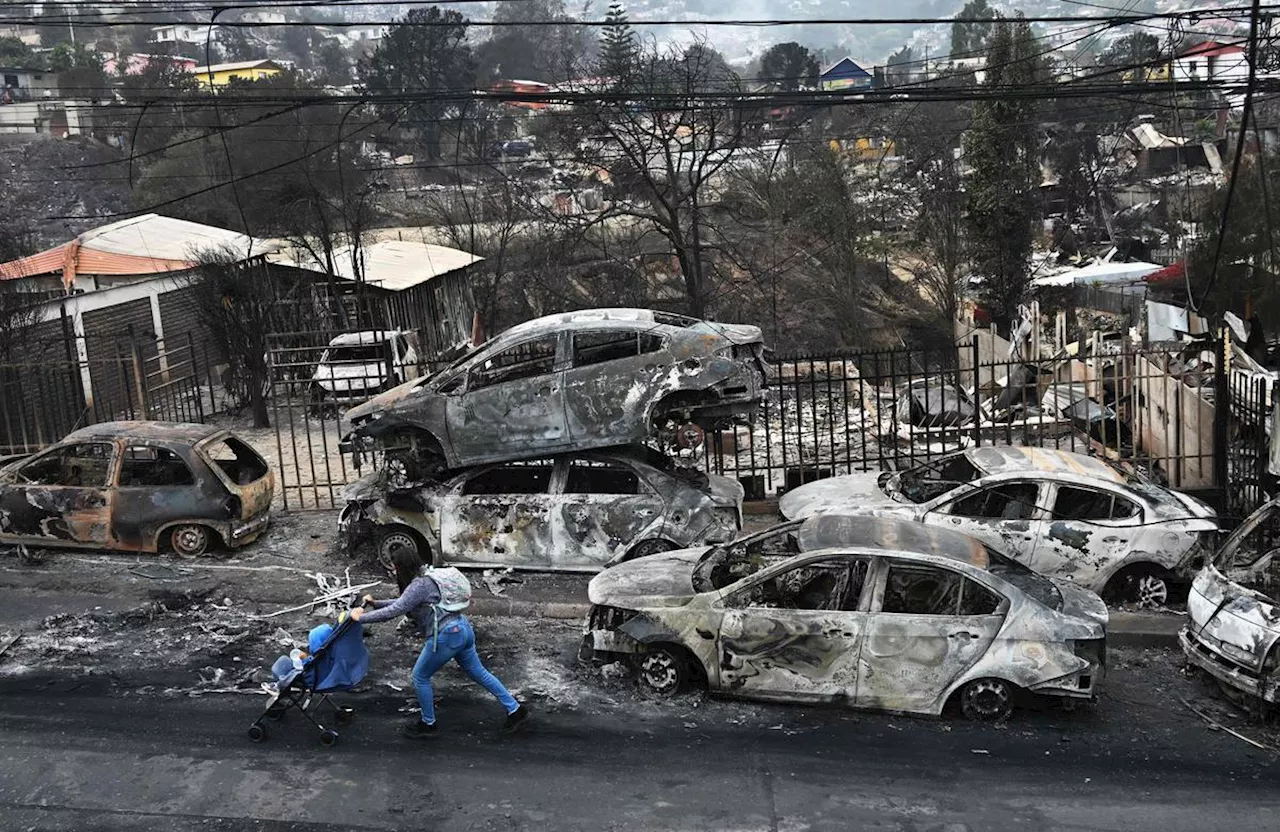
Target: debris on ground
(494, 579)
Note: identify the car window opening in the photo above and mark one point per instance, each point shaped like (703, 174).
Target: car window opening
(1010, 501)
(532, 358)
(730, 563)
(1258, 551)
(926, 590)
(357, 354)
(237, 460)
(149, 466)
(612, 345)
(1074, 503)
(511, 479)
(86, 465)
(587, 477)
(834, 586)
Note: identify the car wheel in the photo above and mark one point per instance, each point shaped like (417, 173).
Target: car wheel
(986, 700)
(395, 538)
(645, 548)
(1148, 587)
(664, 670)
(189, 540)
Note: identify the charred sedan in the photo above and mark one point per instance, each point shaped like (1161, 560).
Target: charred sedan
(1233, 611)
(581, 380)
(1061, 514)
(869, 612)
(138, 486)
(573, 512)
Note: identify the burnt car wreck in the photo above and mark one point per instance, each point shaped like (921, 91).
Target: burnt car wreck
(571, 382)
(1233, 612)
(869, 612)
(138, 486)
(573, 512)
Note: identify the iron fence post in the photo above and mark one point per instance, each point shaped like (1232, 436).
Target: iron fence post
(1221, 413)
(977, 395)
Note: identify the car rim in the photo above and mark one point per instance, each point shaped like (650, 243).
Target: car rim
(1152, 591)
(987, 699)
(395, 541)
(660, 672)
(190, 540)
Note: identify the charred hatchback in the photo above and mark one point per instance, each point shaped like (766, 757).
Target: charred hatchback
(574, 512)
(576, 381)
(865, 611)
(138, 486)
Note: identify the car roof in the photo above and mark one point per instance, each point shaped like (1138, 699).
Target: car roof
(368, 336)
(183, 432)
(1010, 460)
(588, 318)
(888, 534)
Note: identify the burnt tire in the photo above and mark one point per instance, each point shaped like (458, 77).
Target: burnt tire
(1150, 587)
(987, 700)
(664, 670)
(190, 540)
(394, 538)
(645, 548)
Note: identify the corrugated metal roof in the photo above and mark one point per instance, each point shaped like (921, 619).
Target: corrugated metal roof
(394, 265)
(148, 244)
(264, 64)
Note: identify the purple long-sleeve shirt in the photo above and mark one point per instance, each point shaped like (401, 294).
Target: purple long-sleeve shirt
(417, 601)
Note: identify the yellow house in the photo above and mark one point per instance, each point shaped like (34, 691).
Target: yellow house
(220, 75)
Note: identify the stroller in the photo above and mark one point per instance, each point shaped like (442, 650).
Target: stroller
(338, 661)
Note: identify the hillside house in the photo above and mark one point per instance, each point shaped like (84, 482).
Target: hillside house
(221, 75)
(845, 74)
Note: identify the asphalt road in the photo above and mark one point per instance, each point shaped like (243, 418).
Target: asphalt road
(78, 754)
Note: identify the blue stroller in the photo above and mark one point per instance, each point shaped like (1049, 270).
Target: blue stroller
(338, 661)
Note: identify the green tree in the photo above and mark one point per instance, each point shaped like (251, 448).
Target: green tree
(1131, 50)
(1002, 149)
(618, 46)
(970, 38)
(789, 65)
(14, 52)
(157, 110)
(429, 59)
(547, 49)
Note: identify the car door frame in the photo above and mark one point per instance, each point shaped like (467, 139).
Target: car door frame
(649, 367)
(461, 420)
(942, 630)
(1055, 538)
(857, 617)
(1017, 543)
(569, 526)
(107, 491)
(451, 510)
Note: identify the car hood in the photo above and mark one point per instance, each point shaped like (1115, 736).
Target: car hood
(851, 492)
(384, 400)
(734, 333)
(660, 580)
(1233, 620)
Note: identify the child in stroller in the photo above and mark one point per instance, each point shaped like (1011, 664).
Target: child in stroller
(335, 660)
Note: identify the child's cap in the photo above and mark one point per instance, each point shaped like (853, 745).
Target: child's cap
(318, 635)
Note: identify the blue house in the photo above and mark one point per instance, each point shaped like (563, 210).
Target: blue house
(845, 75)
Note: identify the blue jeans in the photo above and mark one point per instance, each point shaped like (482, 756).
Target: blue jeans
(456, 641)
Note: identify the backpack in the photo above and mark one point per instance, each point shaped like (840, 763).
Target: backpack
(455, 589)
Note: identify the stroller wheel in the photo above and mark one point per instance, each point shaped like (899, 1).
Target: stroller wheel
(276, 712)
(329, 738)
(344, 715)
(257, 732)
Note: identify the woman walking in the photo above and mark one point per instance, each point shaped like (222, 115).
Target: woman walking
(436, 610)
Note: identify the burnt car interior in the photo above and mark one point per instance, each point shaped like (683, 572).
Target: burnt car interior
(610, 345)
(927, 590)
(149, 466)
(834, 586)
(589, 476)
(237, 460)
(532, 358)
(1076, 503)
(514, 478)
(725, 565)
(1007, 501)
(924, 482)
(1255, 560)
(87, 465)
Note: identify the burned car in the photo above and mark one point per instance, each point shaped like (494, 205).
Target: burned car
(579, 512)
(580, 380)
(869, 612)
(139, 487)
(1233, 611)
(1058, 513)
